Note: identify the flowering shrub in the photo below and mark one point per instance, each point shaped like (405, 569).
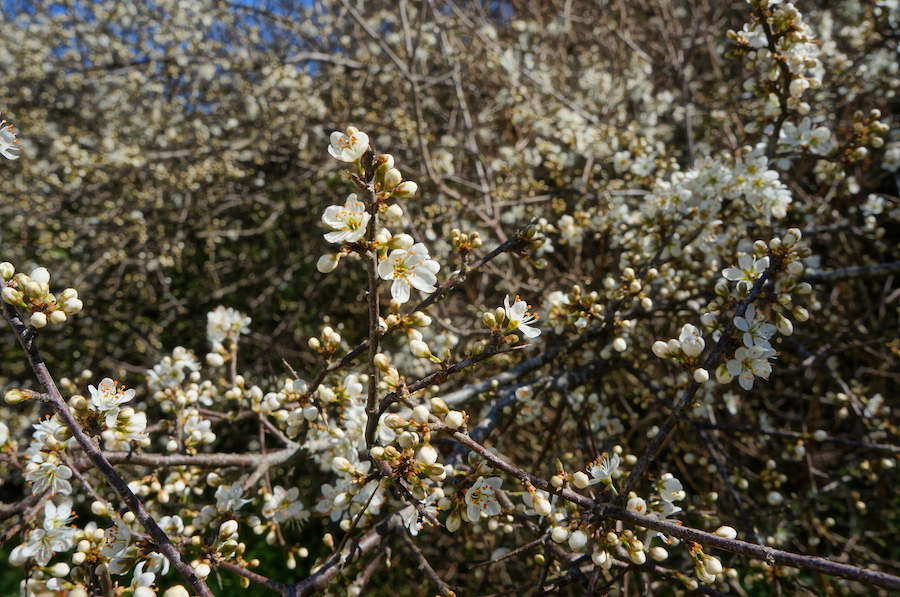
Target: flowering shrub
(705, 223)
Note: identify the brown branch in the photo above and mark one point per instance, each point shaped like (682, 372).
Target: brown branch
(442, 587)
(769, 555)
(134, 504)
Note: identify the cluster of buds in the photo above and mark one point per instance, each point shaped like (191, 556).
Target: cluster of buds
(412, 456)
(685, 350)
(389, 181)
(781, 48)
(226, 544)
(32, 292)
(327, 343)
(867, 130)
(513, 316)
(706, 567)
(465, 243)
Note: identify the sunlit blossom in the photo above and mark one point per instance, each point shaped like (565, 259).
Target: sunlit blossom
(519, 318)
(348, 221)
(409, 268)
(482, 498)
(349, 146)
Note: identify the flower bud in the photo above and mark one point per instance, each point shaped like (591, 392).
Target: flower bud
(40, 275)
(600, 557)
(38, 320)
(559, 534)
(202, 570)
(577, 540)
(341, 465)
(228, 529)
(438, 406)
(726, 532)
(420, 349)
(7, 270)
(701, 375)
(541, 506)
(713, 566)
(638, 557)
(428, 455)
(392, 178)
(402, 241)
(406, 189)
(13, 297)
(72, 306)
(800, 314)
(33, 290)
(454, 419)
(15, 396)
(420, 414)
(436, 472)
(580, 480)
(859, 153)
(723, 376)
(328, 263)
(453, 522)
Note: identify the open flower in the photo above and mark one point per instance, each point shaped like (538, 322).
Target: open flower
(749, 268)
(407, 268)
(348, 221)
(348, 147)
(692, 342)
(52, 476)
(755, 327)
(107, 397)
(749, 363)
(8, 141)
(520, 318)
(482, 498)
(602, 469)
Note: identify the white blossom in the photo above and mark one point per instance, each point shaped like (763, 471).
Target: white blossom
(409, 268)
(348, 221)
(348, 147)
(481, 498)
(519, 318)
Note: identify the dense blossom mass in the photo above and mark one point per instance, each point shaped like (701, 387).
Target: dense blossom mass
(619, 301)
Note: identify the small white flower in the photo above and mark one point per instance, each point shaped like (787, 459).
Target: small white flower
(602, 469)
(50, 476)
(284, 506)
(54, 536)
(414, 522)
(230, 498)
(8, 141)
(226, 324)
(692, 343)
(348, 147)
(520, 318)
(749, 269)
(409, 268)
(670, 488)
(107, 397)
(348, 221)
(482, 498)
(749, 363)
(756, 328)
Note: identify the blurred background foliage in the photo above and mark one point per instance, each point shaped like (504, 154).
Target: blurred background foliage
(174, 160)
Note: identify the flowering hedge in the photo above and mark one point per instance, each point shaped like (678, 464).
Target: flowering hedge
(618, 307)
